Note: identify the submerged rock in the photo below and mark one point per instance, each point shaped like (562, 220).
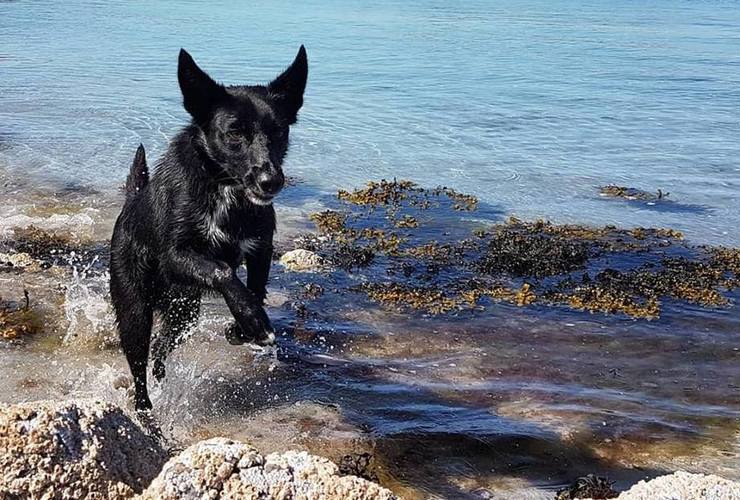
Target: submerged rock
(79, 224)
(222, 468)
(74, 449)
(301, 260)
(684, 486)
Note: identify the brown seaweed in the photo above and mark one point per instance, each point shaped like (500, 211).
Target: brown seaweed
(590, 486)
(18, 319)
(378, 228)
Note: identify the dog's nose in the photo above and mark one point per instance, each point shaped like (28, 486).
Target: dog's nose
(269, 183)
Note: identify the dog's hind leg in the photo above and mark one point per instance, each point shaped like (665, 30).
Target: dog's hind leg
(135, 329)
(133, 309)
(179, 315)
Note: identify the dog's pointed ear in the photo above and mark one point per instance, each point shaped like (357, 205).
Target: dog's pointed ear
(287, 89)
(200, 93)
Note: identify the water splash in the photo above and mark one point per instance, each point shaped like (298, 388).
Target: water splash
(86, 306)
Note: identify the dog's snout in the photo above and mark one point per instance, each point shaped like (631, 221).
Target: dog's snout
(270, 182)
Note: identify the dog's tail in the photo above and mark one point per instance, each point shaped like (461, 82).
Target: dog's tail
(138, 177)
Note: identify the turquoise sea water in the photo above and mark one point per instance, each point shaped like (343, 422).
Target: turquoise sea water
(531, 105)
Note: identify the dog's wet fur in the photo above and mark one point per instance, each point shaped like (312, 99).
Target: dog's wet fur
(206, 210)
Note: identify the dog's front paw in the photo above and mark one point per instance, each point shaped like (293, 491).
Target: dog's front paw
(266, 338)
(235, 335)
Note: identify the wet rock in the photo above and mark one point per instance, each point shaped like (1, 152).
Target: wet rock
(222, 468)
(684, 486)
(18, 260)
(301, 260)
(74, 449)
(79, 224)
(628, 193)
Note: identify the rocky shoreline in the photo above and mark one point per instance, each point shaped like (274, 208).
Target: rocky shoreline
(91, 449)
(95, 450)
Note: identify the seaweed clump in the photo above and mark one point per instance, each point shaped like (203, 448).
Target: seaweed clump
(427, 299)
(434, 301)
(329, 221)
(604, 297)
(638, 292)
(41, 244)
(393, 193)
(353, 247)
(358, 464)
(590, 486)
(18, 320)
(414, 256)
(523, 250)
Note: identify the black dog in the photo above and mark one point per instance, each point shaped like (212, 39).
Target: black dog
(205, 211)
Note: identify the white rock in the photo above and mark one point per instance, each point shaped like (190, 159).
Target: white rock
(683, 486)
(220, 468)
(301, 260)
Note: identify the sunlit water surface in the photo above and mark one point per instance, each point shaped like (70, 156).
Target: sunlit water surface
(531, 106)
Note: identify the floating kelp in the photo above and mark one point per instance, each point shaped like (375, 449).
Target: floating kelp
(658, 200)
(392, 193)
(628, 193)
(416, 253)
(435, 301)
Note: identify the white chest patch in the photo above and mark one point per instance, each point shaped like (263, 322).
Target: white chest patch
(215, 217)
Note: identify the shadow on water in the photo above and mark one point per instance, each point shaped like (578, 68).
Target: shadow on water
(422, 440)
(667, 206)
(644, 200)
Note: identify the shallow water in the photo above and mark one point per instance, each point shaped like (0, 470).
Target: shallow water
(513, 401)
(529, 105)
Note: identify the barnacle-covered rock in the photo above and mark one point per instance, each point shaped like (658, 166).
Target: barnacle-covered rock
(74, 449)
(684, 486)
(220, 468)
